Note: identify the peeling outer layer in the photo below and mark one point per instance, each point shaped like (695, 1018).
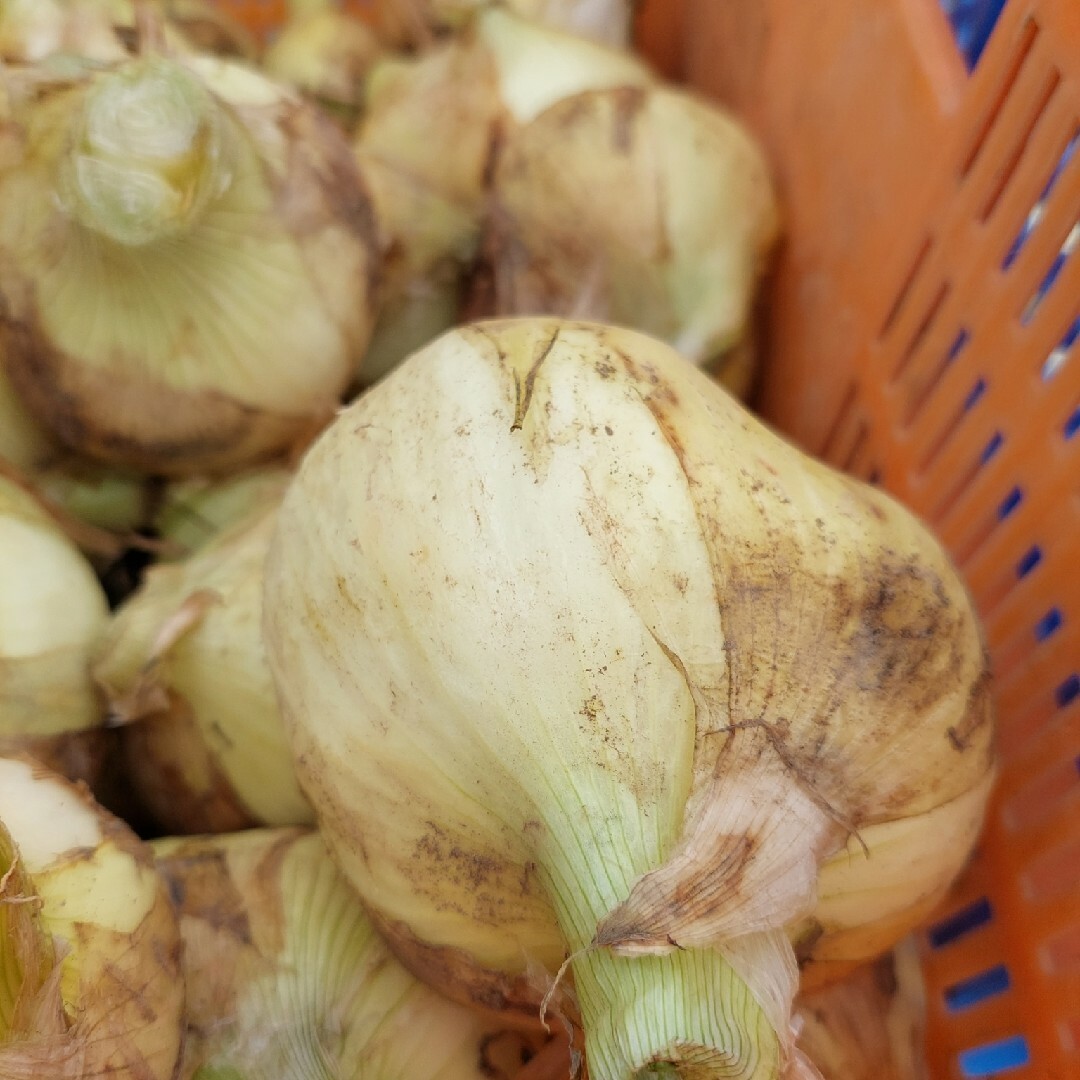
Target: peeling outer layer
(254, 310)
(579, 659)
(175, 776)
(97, 947)
(285, 972)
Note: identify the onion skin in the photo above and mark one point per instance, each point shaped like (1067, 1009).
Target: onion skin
(183, 666)
(279, 264)
(641, 206)
(672, 661)
(284, 970)
(98, 951)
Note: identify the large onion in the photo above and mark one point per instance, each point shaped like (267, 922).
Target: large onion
(580, 659)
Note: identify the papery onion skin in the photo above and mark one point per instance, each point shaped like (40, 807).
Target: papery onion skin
(241, 322)
(284, 970)
(574, 651)
(96, 953)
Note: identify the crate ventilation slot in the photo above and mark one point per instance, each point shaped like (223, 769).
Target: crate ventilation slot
(1060, 353)
(972, 22)
(1072, 425)
(1035, 214)
(960, 923)
(1067, 691)
(971, 992)
(1010, 503)
(995, 1058)
(1069, 245)
(1048, 625)
(1029, 561)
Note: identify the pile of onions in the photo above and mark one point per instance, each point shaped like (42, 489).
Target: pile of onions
(538, 712)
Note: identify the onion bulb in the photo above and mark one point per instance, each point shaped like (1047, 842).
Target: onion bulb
(430, 134)
(288, 980)
(325, 53)
(580, 660)
(183, 665)
(606, 21)
(645, 207)
(870, 1026)
(186, 264)
(193, 511)
(52, 609)
(89, 945)
(105, 30)
(31, 30)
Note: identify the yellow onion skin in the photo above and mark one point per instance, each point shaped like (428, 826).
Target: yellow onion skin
(52, 609)
(284, 970)
(216, 322)
(578, 657)
(183, 667)
(327, 54)
(641, 206)
(90, 939)
(871, 1025)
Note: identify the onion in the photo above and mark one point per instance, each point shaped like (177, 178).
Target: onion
(91, 948)
(606, 21)
(325, 53)
(182, 662)
(51, 611)
(581, 660)
(426, 146)
(187, 265)
(872, 1025)
(286, 976)
(193, 511)
(105, 30)
(641, 206)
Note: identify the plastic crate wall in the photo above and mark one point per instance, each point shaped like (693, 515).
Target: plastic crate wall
(923, 332)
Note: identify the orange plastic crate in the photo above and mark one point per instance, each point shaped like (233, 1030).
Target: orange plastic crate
(923, 332)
